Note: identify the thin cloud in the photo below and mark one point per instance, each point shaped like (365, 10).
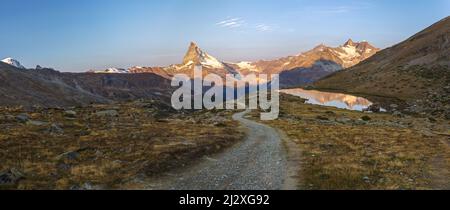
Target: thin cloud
(263, 27)
(231, 23)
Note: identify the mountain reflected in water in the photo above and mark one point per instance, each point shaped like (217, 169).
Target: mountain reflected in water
(339, 100)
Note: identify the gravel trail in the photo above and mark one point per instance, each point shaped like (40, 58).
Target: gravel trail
(257, 163)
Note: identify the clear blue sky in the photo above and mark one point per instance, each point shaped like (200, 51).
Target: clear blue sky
(95, 34)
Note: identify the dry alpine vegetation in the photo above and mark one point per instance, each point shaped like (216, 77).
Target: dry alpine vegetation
(340, 149)
(416, 71)
(104, 146)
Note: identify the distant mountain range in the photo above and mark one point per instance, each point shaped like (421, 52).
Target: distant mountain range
(416, 71)
(296, 70)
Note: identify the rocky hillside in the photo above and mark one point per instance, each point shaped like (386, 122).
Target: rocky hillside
(416, 71)
(46, 87)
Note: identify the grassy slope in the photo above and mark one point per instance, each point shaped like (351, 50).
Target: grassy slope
(384, 153)
(112, 151)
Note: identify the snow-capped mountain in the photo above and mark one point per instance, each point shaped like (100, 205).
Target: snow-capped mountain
(110, 71)
(312, 65)
(197, 57)
(295, 70)
(13, 62)
(194, 57)
(331, 59)
(352, 53)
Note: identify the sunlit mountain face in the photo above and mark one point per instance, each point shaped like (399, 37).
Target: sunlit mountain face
(294, 71)
(338, 100)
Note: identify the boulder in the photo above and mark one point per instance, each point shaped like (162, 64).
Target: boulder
(107, 113)
(373, 108)
(36, 123)
(73, 155)
(320, 117)
(393, 106)
(70, 114)
(23, 118)
(397, 114)
(366, 118)
(10, 177)
(344, 120)
(55, 129)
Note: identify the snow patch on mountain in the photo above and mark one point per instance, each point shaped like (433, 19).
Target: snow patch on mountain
(13, 62)
(248, 66)
(350, 52)
(210, 61)
(111, 71)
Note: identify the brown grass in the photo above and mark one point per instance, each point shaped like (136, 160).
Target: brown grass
(383, 153)
(110, 150)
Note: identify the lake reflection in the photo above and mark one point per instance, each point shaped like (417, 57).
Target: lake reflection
(339, 100)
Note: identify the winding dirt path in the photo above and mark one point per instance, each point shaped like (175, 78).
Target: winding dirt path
(257, 163)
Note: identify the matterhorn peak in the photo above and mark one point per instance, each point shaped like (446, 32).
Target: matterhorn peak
(197, 56)
(193, 54)
(193, 45)
(13, 62)
(349, 43)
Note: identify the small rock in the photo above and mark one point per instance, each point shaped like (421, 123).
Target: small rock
(85, 186)
(84, 133)
(36, 123)
(69, 156)
(10, 177)
(366, 179)
(322, 118)
(343, 120)
(99, 153)
(366, 118)
(374, 108)
(64, 166)
(397, 114)
(393, 106)
(360, 122)
(219, 124)
(70, 114)
(55, 129)
(107, 113)
(22, 118)
(330, 113)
